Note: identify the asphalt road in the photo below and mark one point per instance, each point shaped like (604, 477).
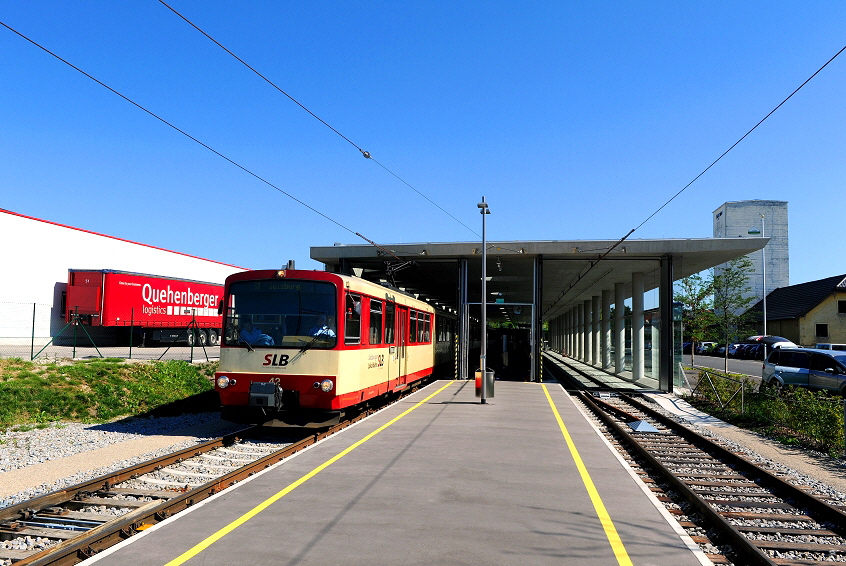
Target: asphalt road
(747, 367)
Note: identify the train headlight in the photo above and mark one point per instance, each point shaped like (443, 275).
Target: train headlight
(223, 382)
(326, 385)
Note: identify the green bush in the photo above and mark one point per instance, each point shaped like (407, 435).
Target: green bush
(93, 390)
(796, 416)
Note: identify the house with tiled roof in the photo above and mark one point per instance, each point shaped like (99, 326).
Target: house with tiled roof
(807, 313)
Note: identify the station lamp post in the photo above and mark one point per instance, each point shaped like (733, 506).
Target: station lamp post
(484, 210)
(754, 231)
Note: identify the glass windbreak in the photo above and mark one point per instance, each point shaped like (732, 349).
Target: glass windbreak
(281, 313)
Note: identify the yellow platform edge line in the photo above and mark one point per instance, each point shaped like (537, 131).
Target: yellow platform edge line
(604, 518)
(211, 539)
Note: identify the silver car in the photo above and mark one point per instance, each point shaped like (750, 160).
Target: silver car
(806, 367)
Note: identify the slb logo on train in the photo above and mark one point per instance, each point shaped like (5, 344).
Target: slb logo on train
(277, 360)
(375, 361)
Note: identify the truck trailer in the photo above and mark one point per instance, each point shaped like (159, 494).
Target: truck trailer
(144, 308)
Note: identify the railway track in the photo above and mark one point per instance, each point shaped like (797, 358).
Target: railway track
(737, 511)
(576, 375)
(70, 525)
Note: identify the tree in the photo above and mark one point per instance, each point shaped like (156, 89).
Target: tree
(732, 300)
(695, 294)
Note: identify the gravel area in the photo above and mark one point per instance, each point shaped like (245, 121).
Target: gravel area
(825, 476)
(60, 440)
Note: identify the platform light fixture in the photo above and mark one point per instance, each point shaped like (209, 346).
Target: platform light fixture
(484, 211)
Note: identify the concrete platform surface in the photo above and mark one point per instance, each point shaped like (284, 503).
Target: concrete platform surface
(449, 482)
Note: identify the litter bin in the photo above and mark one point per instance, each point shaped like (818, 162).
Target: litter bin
(489, 383)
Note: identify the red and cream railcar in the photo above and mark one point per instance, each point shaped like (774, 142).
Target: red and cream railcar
(301, 347)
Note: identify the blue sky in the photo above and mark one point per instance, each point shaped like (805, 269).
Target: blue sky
(575, 119)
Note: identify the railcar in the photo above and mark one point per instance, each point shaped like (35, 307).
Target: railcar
(301, 348)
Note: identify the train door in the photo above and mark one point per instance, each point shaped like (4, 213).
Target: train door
(390, 340)
(397, 347)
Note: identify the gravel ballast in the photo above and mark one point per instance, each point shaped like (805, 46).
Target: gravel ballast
(39, 461)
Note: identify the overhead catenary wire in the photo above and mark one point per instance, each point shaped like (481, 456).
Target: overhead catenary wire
(752, 129)
(189, 136)
(671, 199)
(366, 154)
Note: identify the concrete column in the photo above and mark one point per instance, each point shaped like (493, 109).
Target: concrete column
(665, 298)
(553, 332)
(559, 335)
(656, 348)
(620, 327)
(594, 307)
(637, 327)
(588, 337)
(571, 350)
(606, 329)
(464, 321)
(580, 332)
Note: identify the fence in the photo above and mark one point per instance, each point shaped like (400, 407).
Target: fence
(814, 418)
(37, 331)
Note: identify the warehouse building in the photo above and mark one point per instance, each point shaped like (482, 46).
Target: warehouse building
(38, 254)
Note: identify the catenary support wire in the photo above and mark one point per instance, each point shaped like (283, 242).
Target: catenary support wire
(761, 121)
(189, 136)
(366, 154)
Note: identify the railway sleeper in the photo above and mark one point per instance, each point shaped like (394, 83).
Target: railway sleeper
(16, 555)
(767, 516)
(735, 493)
(750, 504)
(733, 476)
(697, 462)
(780, 531)
(800, 546)
(106, 501)
(154, 493)
(61, 534)
(740, 483)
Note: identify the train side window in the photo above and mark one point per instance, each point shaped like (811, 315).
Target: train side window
(352, 320)
(412, 325)
(443, 329)
(375, 321)
(390, 310)
(426, 334)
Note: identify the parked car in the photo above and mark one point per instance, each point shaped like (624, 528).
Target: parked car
(732, 350)
(705, 347)
(806, 367)
(742, 351)
(772, 342)
(827, 346)
(755, 352)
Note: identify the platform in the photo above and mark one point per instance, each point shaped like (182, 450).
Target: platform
(437, 478)
(623, 380)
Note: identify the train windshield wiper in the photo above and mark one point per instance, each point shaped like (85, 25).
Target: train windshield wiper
(241, 339)
(305, 347)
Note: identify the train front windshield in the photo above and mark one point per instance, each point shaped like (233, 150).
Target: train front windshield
(281, 313)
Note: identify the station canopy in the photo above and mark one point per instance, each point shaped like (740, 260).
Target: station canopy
(570, 271)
